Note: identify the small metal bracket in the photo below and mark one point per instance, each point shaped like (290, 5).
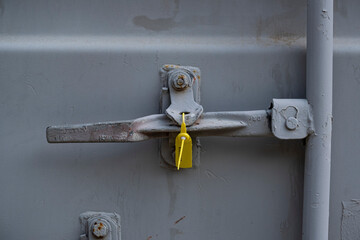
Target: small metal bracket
(291, 118)
(100, 225)
(179, 81)
(180, 93)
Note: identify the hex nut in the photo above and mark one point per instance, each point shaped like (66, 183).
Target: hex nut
(100, 228)
(291, 123)
(180, 80)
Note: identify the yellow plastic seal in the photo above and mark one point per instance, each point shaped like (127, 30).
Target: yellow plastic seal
(183, 147)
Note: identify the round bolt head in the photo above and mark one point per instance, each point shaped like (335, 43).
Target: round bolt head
(100, 229)
(291, 123)
(180, 80)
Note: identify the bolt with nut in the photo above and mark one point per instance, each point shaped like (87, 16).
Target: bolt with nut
(180, 80)
(100, 228)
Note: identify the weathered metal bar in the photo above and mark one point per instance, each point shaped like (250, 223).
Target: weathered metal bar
(123, 131)
(319, 94)
(232, 124)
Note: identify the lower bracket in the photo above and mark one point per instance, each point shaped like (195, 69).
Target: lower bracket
(100, 225)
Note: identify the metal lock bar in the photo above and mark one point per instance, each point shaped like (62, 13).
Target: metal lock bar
(286, 119)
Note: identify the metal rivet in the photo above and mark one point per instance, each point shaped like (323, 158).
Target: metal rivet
(291, 123)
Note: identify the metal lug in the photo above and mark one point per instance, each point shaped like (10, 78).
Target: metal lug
(180, 80)
(291, 118)
(100, 225)
(171, 76)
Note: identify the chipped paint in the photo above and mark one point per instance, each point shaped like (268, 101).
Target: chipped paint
(158, 24)
(350, 220)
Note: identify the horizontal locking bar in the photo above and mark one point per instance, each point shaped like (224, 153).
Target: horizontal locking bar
(287, 119)
(231, 124)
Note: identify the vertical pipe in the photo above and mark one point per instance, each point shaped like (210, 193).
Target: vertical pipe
(319, 65)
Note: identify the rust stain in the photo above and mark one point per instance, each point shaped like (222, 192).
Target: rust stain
(179, 220)
(280, 28)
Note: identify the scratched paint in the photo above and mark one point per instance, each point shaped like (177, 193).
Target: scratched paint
(350, 220)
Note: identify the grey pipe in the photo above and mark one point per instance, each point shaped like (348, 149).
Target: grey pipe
(319, 65)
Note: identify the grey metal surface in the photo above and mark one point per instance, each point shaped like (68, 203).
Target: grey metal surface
(65, 180)
(48, 80)
(350, 219)
(66, 62)
(345, 163)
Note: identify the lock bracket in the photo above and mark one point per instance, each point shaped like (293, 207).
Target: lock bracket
(180, 94)
(180, 81)
(291, 118)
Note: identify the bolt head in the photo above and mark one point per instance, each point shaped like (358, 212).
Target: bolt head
(180, 80)
(292, 123)
(100, 229)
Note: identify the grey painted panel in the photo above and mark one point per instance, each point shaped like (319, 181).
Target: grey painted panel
(278, 18)
(345, 143)
(88, 61)
(281, 20)
(241, 185)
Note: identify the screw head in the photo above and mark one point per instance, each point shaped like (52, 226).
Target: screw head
(100, 229)
(291, 123)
